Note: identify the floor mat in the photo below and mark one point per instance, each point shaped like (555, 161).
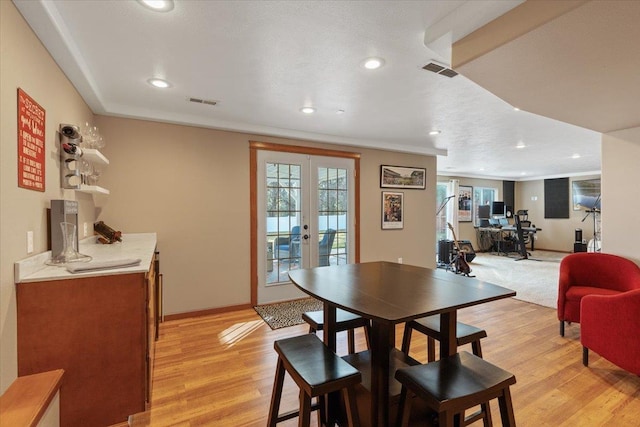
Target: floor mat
(283, 314)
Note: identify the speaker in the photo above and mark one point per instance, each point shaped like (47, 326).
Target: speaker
(466, 247)
(445, 251)
(579, 247)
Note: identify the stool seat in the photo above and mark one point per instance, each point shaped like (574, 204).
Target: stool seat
(430, 326)
(345, 321)
(314, 367)
(317, 371)
(451, 385)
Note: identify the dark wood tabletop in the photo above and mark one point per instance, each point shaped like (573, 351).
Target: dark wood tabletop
(390, 293)
(395, 293)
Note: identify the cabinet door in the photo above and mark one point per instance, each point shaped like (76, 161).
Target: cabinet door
(94, 329)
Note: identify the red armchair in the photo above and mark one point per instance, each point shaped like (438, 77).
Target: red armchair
(611, 327)
(583, 274)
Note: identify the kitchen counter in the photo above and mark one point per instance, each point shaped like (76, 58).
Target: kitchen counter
(137, 246)
(99, 326)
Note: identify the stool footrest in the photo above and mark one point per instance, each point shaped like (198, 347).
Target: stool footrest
(294, 413)
(472, 418)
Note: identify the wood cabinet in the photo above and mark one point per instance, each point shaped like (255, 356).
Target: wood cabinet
(101, 331)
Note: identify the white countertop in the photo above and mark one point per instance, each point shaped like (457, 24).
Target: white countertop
(140, 245)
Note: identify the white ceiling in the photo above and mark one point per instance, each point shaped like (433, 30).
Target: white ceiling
(264, 60)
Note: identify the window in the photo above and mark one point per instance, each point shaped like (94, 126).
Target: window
(442, 190)
(482, 196)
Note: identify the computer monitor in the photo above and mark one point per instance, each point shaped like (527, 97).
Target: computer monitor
(497, 209)
(484, 212)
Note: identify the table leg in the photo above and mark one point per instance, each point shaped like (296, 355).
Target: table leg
(329, 338)
(448, 344)
(532, 237)
(382, 341)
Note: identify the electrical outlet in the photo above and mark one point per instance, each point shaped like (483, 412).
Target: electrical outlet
(86, 229)
(29, 242)
(400, 260)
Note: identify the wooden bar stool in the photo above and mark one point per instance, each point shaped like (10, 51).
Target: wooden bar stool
(454, 384)
(430, 326)
(317, 371)
(345, 321)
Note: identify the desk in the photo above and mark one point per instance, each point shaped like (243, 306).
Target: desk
(499, 231)
(388, 294)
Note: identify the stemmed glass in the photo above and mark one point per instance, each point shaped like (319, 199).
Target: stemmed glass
(91, 137)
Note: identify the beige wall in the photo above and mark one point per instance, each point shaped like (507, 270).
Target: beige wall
(191, 186)
(26, 64)
(620, 201)
(558, 234)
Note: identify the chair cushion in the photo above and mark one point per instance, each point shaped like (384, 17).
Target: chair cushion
(575, 293)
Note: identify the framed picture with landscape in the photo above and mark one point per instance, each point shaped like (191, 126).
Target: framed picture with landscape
(402, 177)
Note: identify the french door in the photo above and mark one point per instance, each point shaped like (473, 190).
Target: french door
(305, 213)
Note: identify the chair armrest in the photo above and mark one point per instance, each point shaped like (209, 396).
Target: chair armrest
(609, 325)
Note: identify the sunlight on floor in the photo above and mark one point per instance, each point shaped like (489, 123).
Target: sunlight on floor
(233, 335)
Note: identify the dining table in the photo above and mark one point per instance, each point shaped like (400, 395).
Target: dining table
(387, 294)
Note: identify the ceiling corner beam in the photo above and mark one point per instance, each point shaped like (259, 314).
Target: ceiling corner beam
(513, 24)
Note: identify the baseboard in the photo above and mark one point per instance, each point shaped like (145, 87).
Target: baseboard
(199, 313)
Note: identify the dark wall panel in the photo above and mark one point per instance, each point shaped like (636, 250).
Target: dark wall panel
(556, 198)
(509, 195)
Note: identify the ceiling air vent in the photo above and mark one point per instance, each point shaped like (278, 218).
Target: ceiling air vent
(439, 69)
(202, 101)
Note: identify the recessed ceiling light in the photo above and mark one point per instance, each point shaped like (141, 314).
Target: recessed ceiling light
(434, 132)
(158, 5)
(373, 63)
(516, 109)
(575, 156)
(308, 110)
(159, 83)
(340, 112)
(520, 145)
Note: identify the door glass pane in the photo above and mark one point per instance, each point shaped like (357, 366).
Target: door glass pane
(441, 217)
(284, 214)
(333, 209)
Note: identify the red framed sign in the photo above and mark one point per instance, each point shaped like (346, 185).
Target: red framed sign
(31, 129)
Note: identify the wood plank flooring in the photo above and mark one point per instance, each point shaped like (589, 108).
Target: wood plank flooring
(218, 370)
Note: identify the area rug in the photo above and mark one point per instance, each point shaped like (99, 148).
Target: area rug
(534, 280)
(289, 313)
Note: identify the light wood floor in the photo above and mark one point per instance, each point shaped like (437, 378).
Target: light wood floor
(218, 370)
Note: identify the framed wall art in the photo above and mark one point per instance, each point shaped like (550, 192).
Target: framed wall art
(586, 194)
(465, 203)
(392, 210)
(402, 177)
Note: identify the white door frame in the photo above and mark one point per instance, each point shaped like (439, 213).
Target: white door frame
(308, 219)
(255, 148)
